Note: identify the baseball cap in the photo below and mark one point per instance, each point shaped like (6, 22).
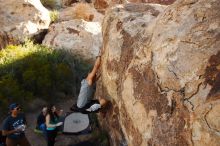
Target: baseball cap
(13, 106)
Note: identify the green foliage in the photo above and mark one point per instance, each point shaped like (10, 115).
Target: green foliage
(54, 15)
(30, 71)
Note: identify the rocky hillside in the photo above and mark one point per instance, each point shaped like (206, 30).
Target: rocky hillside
(161, 71)
(76, 29)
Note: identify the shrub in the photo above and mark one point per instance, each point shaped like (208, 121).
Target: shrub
(54, 15)
(30, 71)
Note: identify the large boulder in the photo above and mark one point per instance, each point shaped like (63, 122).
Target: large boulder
(78, 37)
(161, 72)
(22, 19)
(164, 2)
(80, 11)
(101, 5)
(6, 39)
(66, 3)
(124, 37)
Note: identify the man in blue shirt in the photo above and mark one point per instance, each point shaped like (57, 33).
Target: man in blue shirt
(14, 127)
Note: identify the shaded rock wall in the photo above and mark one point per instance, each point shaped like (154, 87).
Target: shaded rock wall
(160, 69)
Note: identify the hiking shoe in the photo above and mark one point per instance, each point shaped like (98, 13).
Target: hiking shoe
(94, 107)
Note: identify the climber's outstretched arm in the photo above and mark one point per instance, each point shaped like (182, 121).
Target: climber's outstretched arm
(92, 74)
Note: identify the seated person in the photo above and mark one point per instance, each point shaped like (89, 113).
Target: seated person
(85, 104)
(41, 119)
(52, 123)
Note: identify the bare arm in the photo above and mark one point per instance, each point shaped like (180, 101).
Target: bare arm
(48, 122)
(6, 132)
(92, 74)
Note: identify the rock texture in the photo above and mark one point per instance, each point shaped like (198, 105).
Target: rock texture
(65, 3)
(21, 19)
(6, 39)
(160, 69)
(68, 3)
(103, 4)
(164, 2)
(80, 11)
(77, 37)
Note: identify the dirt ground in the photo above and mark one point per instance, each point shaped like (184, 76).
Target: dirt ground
(95, 138)
(37, 139)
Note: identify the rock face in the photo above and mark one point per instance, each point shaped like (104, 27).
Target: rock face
(67, 2)
(103, 4)
(6, 39)
(80, 11)
(77, 37)
(161, 71)
(20, 19)
(164, 2)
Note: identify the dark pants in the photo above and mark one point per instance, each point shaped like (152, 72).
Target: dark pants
(43, 128)
(14, 142)
(51, 135)
(84, 109)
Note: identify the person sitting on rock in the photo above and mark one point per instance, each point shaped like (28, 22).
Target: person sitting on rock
(85, 104)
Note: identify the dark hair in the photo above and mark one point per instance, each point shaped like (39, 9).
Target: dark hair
(53, 115)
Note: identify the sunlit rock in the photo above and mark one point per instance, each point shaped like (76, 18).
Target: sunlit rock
(80, 11)
(77, 37)
(102, 5)
(160, 69)
(22, 19)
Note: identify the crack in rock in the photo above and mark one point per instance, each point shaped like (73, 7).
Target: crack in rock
(207, 123)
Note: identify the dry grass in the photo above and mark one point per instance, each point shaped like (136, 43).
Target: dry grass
(54, 15)
(83, 11)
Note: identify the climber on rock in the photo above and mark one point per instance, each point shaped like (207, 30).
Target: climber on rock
(85, 104)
